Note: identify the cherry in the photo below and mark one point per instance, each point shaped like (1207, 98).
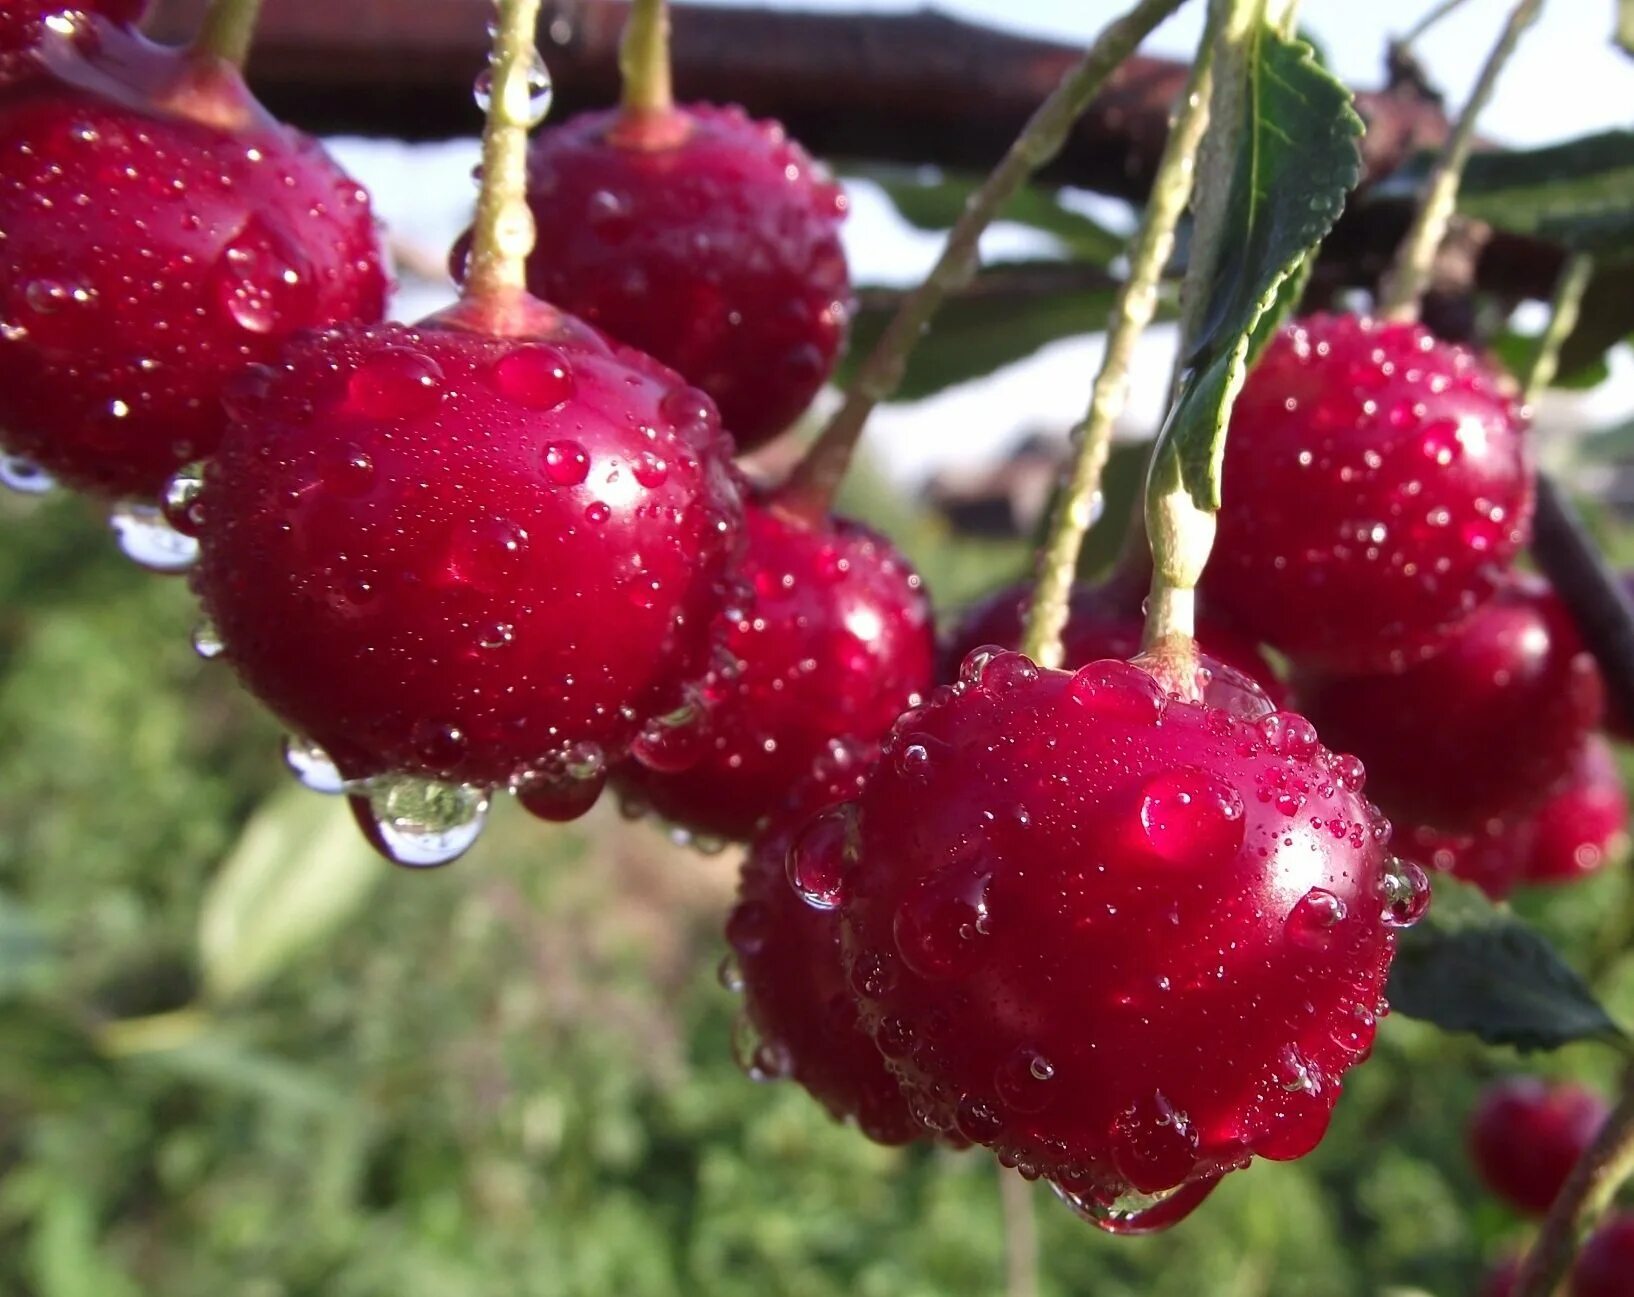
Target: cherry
(787, 959)
(1527, 1134)
(487, 560)
(1605, 1266)
(704, 238)
(1103, 621)
(835, 640)
(1126, 940)
(1501, 1279)
(1377, 485)
(22, 24)
(1577, 830)
(204, 234)
(1493, 856)
(1487, 728)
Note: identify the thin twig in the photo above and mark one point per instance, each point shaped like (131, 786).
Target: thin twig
(228, 30)
(816, 478)
(1410, 271)
(1016, 1198)
(1429, 20)
(1563, 313)
(1136, 304)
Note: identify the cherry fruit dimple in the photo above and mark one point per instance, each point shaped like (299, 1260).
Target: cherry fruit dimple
(1487, 728)
(1128, 941)
(834, 640)
(1527, 1134)
(1377, 484)
(395, 563)
(203, 234)
(708, 240)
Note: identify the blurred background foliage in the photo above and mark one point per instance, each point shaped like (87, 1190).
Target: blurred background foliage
(239, 1057)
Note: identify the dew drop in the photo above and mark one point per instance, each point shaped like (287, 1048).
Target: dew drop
(729, 973)
(397, 383)
(1022, 1081)
(1405, 889)
(262, 283)
(941, 928)
(207, 641)
(423, 823)
(1136, 1213)
(975, 662)
(535, 375)
(1313, 922)
(149, 541)
(182, 501)
(1192, 818)
(1153, 1144)
(565, 787)
(748, 927)
(1117, 690)
(566, 463)
(759, 1059)
(535, 90)
(1008, 671)
(674, 742)
(977, 1120)
(312, 766)
(821, 855)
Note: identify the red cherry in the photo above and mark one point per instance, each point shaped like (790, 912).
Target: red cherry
(1486, 729)
(1605, 1266)
(1527, 1134)
(1127, 941)
(787, 958)
(203, 234)
(1103, 621)
(1493, 857)
(1377, 485)
(1501, 1279)
(704, 238)
(834, 642)
(470, 558)
(1579, 829)
(22, 25)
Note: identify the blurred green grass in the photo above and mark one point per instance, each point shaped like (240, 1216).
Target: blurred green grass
(513, 1077)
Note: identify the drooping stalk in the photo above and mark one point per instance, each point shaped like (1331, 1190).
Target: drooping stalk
(1566, 306)
(815, 479)
(1415, 259)
(502, 234)
(228, 30)
(1149, 252)
(1589, 1190)
(643, 59)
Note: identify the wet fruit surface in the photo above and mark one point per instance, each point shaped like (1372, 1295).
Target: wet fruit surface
(717, 252)
(1527, 1134)
(1584, 824)
(833, 642)
(476, 559)
(22, 23)
(786, 955)
(1605, 1266)
(1127, 941)
(1488, 728)
(1377, 484)
(1104, 621)
(150, 255)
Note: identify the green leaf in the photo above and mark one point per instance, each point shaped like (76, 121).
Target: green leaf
(1625, 25)
(1579, 193)
(936, 204)
(1003, 317)
(1515, 352)
(1471, 966)
(1296, 159)
(299, 871)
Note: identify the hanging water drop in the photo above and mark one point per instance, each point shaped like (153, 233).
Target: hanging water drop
(312, 766)
(149, 541)
(23, 477)
(207, 642)
(539, 89)
(423, 823)
(182, 502)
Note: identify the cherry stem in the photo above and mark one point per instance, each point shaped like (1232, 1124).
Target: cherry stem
(1148, 253)
(817, 477)
(1423, 25)
(228, 30)
(1566, 306)
(643, 60)
(1414, 263)
(502, 234)
(1016, 1200)
(1588, 1191)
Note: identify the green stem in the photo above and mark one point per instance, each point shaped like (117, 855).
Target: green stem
(1588, 1191)
(502, 234)
(1137, 302)
(1415, 259)
(1016, 1201)
(1429, 20)
(228, 30)
(1566, 306)
(643, 59)
(817, 477)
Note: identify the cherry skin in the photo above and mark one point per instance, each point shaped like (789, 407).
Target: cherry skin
(1127, 941)
(1377, 484)
(1527, 1134)
(835, 640)
(22, 25)
(1605, 1266)
(1493, 856)
(1103, 621)
(707, 240)
(204, 234)
(1501, 1279)
(787, 955)
(1584, 823)
(1486, 729)
(489, 560)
